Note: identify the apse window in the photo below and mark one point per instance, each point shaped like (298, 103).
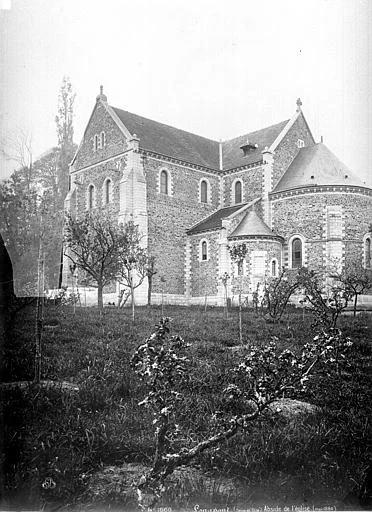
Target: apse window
(334, 222)
(296, 253)
(274, 268)
(367, 252)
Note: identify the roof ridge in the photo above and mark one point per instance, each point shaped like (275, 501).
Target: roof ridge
(164, 124)
(259, 130)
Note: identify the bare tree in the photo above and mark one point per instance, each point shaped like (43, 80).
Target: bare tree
(356, 280)
(94, 243)
(133, 261)
(151, 271)
(238, 253)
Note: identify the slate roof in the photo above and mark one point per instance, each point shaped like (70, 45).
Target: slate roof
(191, 148)
(169, 141)
(214, 221)
(252, 225)
(233, 155)
(316, 165)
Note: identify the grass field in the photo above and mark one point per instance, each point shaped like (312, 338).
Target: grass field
(55, 440)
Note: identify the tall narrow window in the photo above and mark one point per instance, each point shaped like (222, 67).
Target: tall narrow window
(240, 268)
(334, 222)
(204, 251)
(273, 268)
(238, 192)
(91, 197)
(367, 253)
(296, 253)
(108, 191)
(164, 182)
(204, 191)
(96, 142)
(103, 139)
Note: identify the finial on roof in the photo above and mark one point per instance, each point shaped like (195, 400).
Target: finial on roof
(101, 96)
(299, 104)
(321, 139)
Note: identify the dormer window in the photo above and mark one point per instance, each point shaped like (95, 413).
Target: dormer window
(248, 147)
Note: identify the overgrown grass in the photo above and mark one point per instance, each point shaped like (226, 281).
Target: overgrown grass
(66, 437)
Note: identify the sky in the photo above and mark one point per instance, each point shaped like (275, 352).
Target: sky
(216, 68)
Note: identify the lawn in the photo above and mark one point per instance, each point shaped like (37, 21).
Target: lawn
(56, 441)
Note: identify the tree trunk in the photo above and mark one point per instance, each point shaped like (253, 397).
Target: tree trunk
(39, 316)
(226, 304)
(132, 293)
(100, 295)
(149, 290)
(240, 319)
(355, 303)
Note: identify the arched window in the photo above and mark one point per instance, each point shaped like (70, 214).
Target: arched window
(203, 191)
(91, 197)
(238, 192)
(96, 142)
(274, 268)
(164, 182)
(296, 253)
(108, 191)
(103, 139)
(204, 251)
(367, 252)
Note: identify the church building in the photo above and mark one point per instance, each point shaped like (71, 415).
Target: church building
(288, 198)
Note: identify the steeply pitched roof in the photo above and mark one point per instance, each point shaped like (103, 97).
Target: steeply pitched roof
(251, 225)
(232, 153)
(169, 141)
(214, 221)
(316, 165)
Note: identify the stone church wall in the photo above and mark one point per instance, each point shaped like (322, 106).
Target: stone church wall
(306, 215)
(170, 216)
(252, 180)
(115, 140)
(96, 176)
(204, 276)
(288, 149)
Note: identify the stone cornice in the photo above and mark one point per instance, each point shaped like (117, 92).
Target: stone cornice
(166, 158)
(203, 232)
(273, 237)
(319, 189)
(259, 163)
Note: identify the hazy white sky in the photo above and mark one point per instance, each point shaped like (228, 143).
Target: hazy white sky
(216, 68)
